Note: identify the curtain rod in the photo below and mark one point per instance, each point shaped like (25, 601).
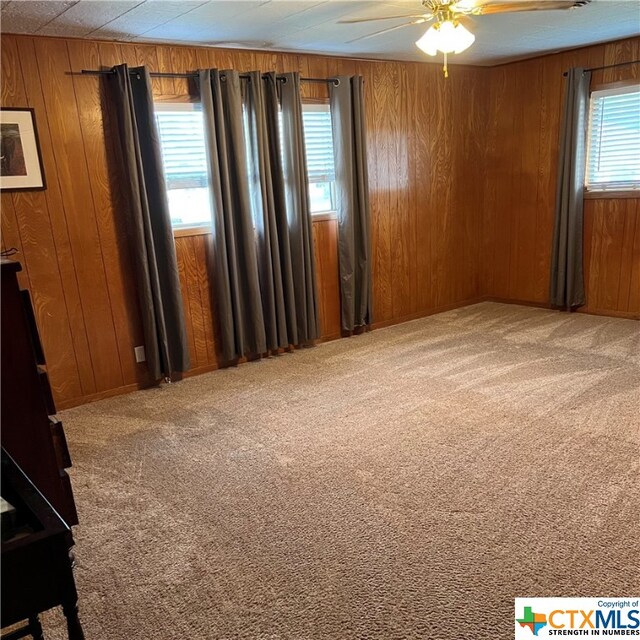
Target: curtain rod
(193, 74)
(609, 66)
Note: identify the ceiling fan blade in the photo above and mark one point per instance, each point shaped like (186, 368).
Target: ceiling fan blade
(490, 7)
(466, 21)
(399, 26)
(354, 20)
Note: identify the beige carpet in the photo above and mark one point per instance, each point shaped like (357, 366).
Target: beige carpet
(404, 484)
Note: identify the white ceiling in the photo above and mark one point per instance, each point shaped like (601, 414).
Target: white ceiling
(312, 25)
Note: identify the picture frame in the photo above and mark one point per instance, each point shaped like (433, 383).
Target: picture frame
(20, 156)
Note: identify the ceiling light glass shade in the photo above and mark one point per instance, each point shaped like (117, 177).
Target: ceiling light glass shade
(447, 37)
(429, 41)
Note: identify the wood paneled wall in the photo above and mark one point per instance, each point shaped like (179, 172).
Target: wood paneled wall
(425, 138)
(462, 186)
(525, 106)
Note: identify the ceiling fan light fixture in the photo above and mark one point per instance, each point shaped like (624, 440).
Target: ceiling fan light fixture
(448, 36)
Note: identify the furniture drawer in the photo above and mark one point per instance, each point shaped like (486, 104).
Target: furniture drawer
(60, 443)
(47, 396)
(68, 510)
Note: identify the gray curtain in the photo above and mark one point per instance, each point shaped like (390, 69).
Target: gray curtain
(567, 275)
(157, 278)
(269, 211)
(354, 248)
(234, 265)
(263, 268)
(296, 184)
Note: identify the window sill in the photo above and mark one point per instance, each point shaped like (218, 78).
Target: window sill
(325, 215)
(183, 232)
(611, 195)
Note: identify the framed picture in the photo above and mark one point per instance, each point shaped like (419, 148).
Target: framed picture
(21, 163)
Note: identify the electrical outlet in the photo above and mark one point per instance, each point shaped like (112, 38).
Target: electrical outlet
(140, 354)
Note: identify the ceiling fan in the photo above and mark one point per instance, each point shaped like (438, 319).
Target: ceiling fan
(448, 33)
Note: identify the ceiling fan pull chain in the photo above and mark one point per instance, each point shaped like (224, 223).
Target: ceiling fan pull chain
(445, 68)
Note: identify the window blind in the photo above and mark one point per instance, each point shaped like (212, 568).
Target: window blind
(318, 140)
(613, 158)
(183, 151)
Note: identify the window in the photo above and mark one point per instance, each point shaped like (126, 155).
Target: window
(318, 136)
(613, 144)
(184, 158)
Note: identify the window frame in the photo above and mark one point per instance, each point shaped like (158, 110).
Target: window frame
(608, 194)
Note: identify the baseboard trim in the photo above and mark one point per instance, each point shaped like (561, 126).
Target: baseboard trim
(329, 338)
(523, 303)
(137, 386)
(429, 312)
(628, 315)
(61, 405)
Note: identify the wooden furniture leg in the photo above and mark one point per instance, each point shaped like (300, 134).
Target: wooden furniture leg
(74, 628)
(36, 628)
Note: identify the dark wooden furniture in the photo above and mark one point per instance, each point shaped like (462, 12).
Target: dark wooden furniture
(30, 434)
(36, 569)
